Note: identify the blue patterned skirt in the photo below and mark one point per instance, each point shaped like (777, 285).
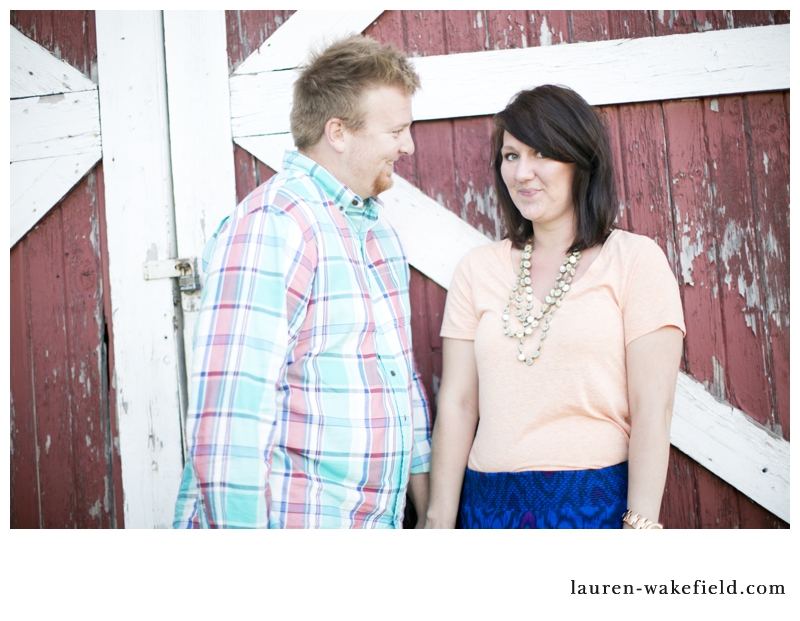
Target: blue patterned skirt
(542, 499)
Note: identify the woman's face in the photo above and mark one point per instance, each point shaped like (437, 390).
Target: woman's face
(541, 188)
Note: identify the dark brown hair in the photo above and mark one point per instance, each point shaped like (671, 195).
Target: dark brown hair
(332, 82)
(558, 123)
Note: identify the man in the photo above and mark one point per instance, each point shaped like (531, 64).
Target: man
(306, 410)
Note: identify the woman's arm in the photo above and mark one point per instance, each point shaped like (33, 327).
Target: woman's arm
(652, 363)
(453, 431)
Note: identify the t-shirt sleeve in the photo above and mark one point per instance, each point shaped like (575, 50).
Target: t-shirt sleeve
(652, 300)
(460, 319)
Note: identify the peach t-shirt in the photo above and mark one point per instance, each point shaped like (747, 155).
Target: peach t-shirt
(569, 411)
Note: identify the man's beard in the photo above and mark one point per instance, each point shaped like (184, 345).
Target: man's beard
(381, 184)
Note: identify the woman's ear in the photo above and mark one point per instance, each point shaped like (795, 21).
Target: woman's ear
(334, 133)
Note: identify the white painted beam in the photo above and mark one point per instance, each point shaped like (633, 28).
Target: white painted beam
(203, 175)
(37, 185)
(35, 71)
(732, 446)
(289, 45)
(140, 224)
(55, 131)
(603, 72)
(55, 125)
(609, 72)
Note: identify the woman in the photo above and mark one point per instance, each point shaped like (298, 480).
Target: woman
(564, 339)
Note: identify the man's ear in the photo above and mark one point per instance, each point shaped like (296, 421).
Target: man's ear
(335, 134)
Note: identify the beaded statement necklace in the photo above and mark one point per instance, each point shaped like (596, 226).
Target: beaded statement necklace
(523, 292)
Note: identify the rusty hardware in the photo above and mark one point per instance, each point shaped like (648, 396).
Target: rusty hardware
(189, 280)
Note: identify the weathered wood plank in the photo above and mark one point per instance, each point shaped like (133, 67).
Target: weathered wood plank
(55, 125)
(435, 163)
(36, 72)
(475, 184)
(679, 503)
(549, 27)
(24, 487)
(727, 442)
(740, 292)
(139, 214)
(604, 72)
(645, 174)
(767, 132)
(630, 24)
(507, 29)
(37, 185)
(610, 116)
(389, 27)
(247, 30)
(588, 26)
(696, 244)
(49, 343)
(289, 45)
(197, 61)
(84, 329)
(108, 403)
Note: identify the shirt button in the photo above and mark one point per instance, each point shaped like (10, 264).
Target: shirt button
(355, 203)
(392, 372)
(341, 208)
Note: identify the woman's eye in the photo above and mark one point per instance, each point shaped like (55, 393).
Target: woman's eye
(539, 155)
(511, 157)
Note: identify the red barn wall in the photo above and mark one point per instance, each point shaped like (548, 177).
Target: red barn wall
(691, 174)
(707, 178)
(65, 469)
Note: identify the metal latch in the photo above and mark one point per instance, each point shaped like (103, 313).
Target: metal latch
(185, 270)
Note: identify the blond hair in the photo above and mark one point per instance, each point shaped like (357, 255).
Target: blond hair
(332, 82)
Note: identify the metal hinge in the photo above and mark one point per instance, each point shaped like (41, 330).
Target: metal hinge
(185, 270)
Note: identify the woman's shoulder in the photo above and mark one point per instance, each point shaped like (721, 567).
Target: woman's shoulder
(632, 245)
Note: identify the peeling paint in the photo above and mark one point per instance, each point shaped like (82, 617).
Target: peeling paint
(750, 293)
(717, 387)
(714, 105)
(95, 510)
(479, 17)
(88, 440)
(766, 167)
(47, 445)
(545, 36)
(689, 252)
(152, 254)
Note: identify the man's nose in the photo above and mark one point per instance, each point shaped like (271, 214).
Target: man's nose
(407, 147)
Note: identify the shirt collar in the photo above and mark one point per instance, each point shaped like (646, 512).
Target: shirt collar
(346, 201)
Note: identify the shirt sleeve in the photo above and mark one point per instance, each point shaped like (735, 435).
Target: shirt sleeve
(460, 320)
(258, 283)
(421, 453)
(652, 300)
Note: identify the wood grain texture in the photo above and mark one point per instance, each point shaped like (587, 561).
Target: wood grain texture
(24, 469)
(63, 460)
(767, 132)
(140, 226)
(691, 198)
(740, 292)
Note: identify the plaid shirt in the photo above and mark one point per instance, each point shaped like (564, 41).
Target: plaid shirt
(306, 409)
